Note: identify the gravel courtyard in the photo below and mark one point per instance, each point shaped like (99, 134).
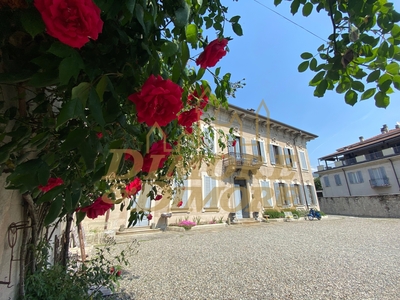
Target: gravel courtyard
(335, 258)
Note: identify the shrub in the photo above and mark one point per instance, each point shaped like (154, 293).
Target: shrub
(273, 213)
(186, 224)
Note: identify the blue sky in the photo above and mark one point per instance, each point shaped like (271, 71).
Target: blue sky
(267, 56)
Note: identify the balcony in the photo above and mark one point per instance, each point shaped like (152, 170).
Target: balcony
(330, 164)
(379, 182)
(234, 161)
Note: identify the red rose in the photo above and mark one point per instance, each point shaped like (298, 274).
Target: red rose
(99, 135)
(73, 22)
(149, 217)
(233, 143)
(187, 118)
(158, 152)
(133, 187)
(112, 270)
(51, 183)
(97, 208)
(158, 197)
(180, 203)
(159, 101)
(119, 273)
(202, 100)
(213, 52)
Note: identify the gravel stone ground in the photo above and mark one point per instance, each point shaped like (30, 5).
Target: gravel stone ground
(335, 258)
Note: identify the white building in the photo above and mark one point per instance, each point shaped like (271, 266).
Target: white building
(369, 167)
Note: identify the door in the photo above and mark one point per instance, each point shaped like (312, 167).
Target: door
(241, 199)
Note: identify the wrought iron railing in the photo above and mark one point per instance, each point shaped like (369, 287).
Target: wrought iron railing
(374, 155)
(242, 160)
(379, 182)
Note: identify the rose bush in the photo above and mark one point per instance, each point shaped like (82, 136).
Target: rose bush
(51, 183)
(159, 101)
(187, 118)
(156, 157)
(212, 53)
(97, 208)
(73, 22)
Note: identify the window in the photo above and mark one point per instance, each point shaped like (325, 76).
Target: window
(210, 195)
(282, 194)
(297, 194)
(378, 177)
(259, 149)
(355, 177)
(303, 160)
(337, 180)
(275, 154)
(266, 196)
(289, 157)
(326, 181)
(310, 195)
(209, 138)
(182, 194)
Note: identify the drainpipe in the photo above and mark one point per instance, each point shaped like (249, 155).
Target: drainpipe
(395, 174)
(347, 183)
(299, 168)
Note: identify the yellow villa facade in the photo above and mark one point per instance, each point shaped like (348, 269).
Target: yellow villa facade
(267, 167)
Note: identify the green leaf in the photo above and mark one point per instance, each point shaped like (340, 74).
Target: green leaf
(95, 108)
(313, 64)
(294, 7)
(384, 82)
(303, 66)
(395, 31)
(192, 34)
(234, 19)
(383, 49)
(69, 68)
(396, 81)
(321, 88)
(306, 55)
(169, 49)
(32, 22)
(351, 97)
(185, 53)
(78, 134)
(130, 5)
(102, 87)
(368, 94)
(54, 211)
(50, 195)
(44, 79)
(358, 86)
(373, 76)
(61, 50)
(88, 154)
(277, 2)
(182, 15)
(139, 12)
(237, 28)
(76, 194)
(81, 92)
(393, 68)
(317, 78)
(200, 74)
(381, 100)
(307, 9)
(70, 110)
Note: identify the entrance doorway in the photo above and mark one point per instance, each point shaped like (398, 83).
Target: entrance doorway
(241, 199)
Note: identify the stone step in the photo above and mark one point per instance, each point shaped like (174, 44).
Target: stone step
(138, 230)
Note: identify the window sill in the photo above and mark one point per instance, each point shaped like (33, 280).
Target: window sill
(180, 210)
(211, 209)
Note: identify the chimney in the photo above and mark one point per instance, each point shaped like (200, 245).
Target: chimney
(397, 125)
(384, 129)
(361, 139)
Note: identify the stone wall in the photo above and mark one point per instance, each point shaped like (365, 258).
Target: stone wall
(380, 206)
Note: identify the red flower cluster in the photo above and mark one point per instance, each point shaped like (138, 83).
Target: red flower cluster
(133, 187)
(187, 118)
(180, 203)
(73, 22)
(158, 197)
(51, 183)
(159, 101)
(97, 208)
(202, 99)
(213, 52)
(160, 152)
(149, 217)
(234, 143)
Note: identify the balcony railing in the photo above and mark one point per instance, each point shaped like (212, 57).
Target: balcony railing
(379, 182)
(361, 158)
(374, 155)
(240, 160)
